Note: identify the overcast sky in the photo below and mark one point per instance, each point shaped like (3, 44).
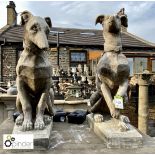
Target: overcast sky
(76, 14)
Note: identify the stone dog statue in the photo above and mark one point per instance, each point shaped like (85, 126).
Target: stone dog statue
(112, 69)
(35, 96)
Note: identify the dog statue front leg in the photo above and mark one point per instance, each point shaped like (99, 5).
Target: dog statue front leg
(122, 90)
(109, 100)
(39, 123)
(26, 106)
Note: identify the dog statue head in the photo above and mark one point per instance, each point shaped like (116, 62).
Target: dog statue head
(111, 30)
(36, 30)
(113, 23)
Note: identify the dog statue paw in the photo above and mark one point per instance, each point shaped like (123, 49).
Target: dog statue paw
(98, 118)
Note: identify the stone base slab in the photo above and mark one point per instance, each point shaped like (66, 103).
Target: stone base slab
(41, 137)
(109, 132)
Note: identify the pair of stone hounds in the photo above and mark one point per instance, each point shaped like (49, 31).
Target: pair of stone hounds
(34, 78)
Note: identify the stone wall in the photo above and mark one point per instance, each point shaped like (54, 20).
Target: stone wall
(64, 59)
(9, 63)
(52, 56)
(10, 58)
(3, 112)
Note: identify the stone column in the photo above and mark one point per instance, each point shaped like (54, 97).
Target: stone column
(143, 102)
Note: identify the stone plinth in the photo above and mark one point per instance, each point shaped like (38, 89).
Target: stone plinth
(41, 137)
(109, 132)
(9, 101)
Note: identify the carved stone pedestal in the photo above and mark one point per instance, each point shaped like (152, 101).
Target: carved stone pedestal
(41, 137)
(143, 101)
(109, 132)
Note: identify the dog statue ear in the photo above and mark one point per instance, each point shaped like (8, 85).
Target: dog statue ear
(123, 17)
(48, 21)
(25, 16)
(99, 19)
(124, 20)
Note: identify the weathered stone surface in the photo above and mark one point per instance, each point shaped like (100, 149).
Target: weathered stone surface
(143, 101)
(41, 137)
(112, 28)
(114, 138)
(75, 139)
(113, 69)
(34, 74)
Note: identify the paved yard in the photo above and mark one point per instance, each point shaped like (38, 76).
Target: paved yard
(76, 139)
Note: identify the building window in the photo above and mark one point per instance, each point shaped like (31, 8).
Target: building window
(78, 57)
(130, 60)
(140, 64)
